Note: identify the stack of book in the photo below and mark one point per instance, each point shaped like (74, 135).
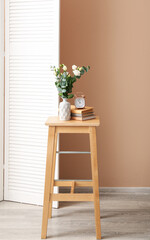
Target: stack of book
(82, 114)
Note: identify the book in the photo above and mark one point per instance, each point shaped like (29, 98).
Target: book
(83, 118)
(82, 115)
(86, 113)
(82, 110)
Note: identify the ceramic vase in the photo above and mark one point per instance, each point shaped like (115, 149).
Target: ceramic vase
(64, 110)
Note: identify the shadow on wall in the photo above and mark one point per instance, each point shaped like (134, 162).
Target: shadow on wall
(113, 38)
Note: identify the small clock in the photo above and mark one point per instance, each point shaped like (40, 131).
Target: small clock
(79, 100)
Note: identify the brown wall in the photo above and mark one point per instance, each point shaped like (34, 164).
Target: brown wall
(113, 37)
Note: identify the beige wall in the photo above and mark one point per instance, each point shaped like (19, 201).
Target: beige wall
(113, 37)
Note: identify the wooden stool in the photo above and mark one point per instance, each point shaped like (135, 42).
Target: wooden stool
(56, 126)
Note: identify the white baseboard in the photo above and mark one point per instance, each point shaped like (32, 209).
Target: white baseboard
(110, 190)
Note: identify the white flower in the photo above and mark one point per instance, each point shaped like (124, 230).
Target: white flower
(80, 69)
(74, 67)
(64, 68)
(76, 73)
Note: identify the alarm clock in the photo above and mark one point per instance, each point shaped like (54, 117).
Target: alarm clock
(79, 100)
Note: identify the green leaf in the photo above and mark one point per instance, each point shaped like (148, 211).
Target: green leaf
(63, 84)
(59, 89)
(71, 96)
(60, 94)
(64, 74)
(63, 90)
(73, 79)
(85, 68)
(82, 72)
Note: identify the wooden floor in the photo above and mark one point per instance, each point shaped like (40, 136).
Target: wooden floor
(123, 216)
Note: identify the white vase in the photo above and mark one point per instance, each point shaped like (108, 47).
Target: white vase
(64, 110)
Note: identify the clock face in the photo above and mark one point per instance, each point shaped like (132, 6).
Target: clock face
(80, 102)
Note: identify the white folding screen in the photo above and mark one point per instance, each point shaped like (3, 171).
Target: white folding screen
(32, 45)
(1, 93)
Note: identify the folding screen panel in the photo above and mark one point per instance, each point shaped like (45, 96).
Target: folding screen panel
(1, 93)
(32, 45)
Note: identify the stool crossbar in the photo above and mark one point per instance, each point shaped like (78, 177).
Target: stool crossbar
(72, 152)
(56, 126)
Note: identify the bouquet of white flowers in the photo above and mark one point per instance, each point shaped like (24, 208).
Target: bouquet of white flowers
(64, 80)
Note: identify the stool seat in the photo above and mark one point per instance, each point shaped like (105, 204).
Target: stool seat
(57, 126)
(54, 121)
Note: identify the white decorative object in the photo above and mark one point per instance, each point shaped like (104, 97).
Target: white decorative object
(64, 110)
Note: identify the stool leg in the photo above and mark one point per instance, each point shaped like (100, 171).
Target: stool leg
(52, 176)
(49, 163)
(94, 166)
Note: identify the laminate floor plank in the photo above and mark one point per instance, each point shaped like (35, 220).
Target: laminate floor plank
(123, 216)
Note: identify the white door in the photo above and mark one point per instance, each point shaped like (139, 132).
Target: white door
(32, 45)
(1, 93)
